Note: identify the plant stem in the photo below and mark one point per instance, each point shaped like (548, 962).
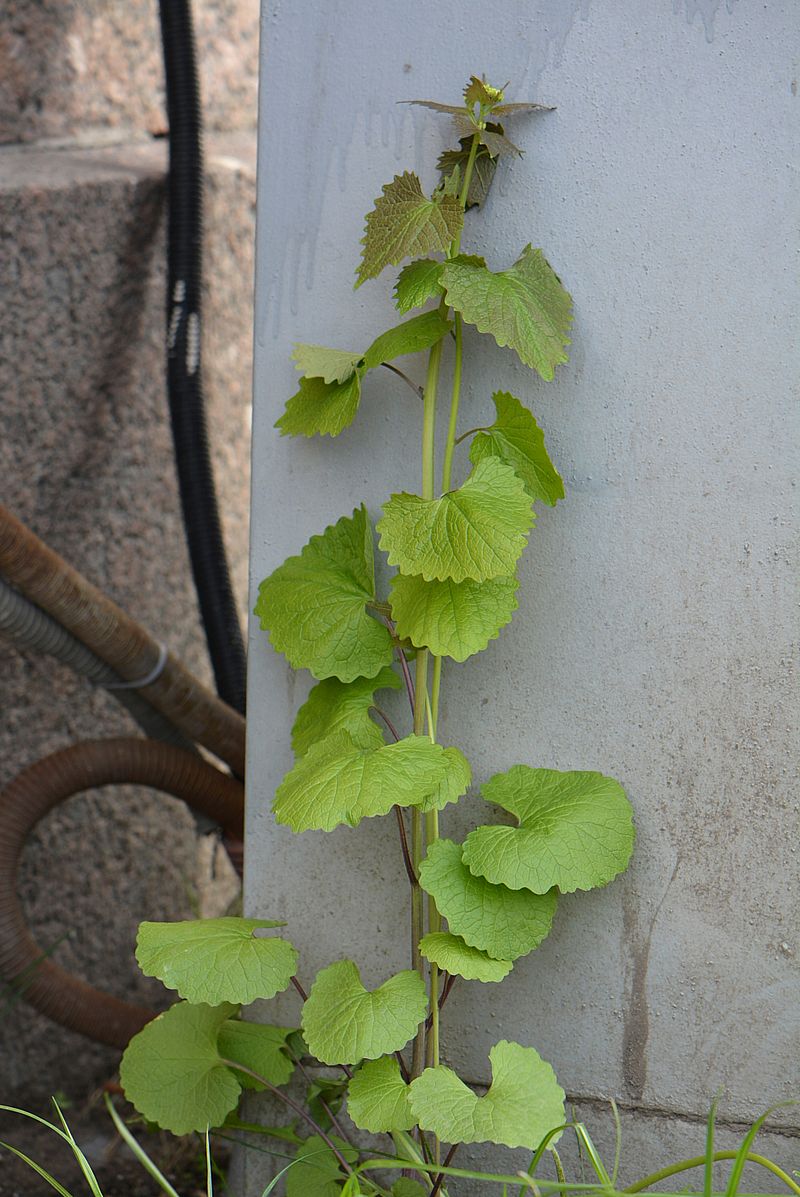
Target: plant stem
(293, 1105)
(412, 876)
(455, 398)
(448, 1159)
(418, 391)
(421, 688)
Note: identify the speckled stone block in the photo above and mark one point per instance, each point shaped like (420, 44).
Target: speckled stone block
(86, 461)
(69, 66)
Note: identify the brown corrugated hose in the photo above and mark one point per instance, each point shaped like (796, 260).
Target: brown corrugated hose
(27, 799)
(52, 584)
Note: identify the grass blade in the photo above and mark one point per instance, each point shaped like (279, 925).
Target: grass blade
(45, 1175)
(744, 1148)
(83, 1163)
(138, 1150)
(617, 1142)
(209, 1170)
(708, 1171)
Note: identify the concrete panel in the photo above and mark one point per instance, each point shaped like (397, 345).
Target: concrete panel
(86, 460)
(653, 637)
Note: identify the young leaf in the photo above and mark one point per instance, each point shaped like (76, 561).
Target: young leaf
(404, 224)
(524, 307)
(575, 831)
(453, 955)
(517, 439)
(216, 960)
(502, 922)
(478, 91)
(523, 1103)
(331, 365)
(260, 1048)
(452, 619)
(172, 1071)
(344, 1023)
(321, 408)
(338, 706)
(378, 1097)
(337, 782)
(316, 1171)
(477, 531)
(417, 283)
(314, 605)
(412, 336)
(483, 170)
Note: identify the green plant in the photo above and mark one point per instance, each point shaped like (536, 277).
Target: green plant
(476, 907)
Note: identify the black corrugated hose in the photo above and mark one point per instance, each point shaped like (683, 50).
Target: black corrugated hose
(187, 412)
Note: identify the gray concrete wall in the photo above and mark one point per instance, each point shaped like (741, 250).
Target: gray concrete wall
(86, 458)
(653, 636)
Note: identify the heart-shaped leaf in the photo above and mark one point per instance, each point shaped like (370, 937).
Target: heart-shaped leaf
(524, 1101)
(455, 782)
(405, 224)
(452, 619)
(314, 605)
(259, 1047)
(321, 408)
(172, 1071)
(502, 922)
(417, 283)
(316, 1171)
(412, 336)
(453, 955)
(524, 307)
(331, 365)
(575, 831)
(216, 960)
(344, 1023)
(477, 531)
(341, 706)
(378, 1097)
(337, 782)
(517, 439)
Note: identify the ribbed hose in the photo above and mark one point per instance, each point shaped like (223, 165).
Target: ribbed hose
(91, 617)
(187, 411)
(27, 799)
(30, 630)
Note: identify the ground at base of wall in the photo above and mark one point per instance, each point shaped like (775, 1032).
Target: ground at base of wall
(120, 1175)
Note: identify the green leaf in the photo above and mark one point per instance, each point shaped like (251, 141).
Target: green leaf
(331, 365)
(453, 955)
(498, 144)
(172, 1071)
(575, 831)
(483, 170)
(338, 706)
(412, 336)
(314, 605)
(378, 1097)
(317, 1172)
(477, 531)
(321, 408)
(337, 782)
(478, 91)
(524, 307)
(523, 1103)
(259, 1047)
(452, 619)
(216, 960)
(502, 922)
(417, 283)
(404, 224)
(517, 439)
(407, 1188)
(343, 1023)
(455, 782)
